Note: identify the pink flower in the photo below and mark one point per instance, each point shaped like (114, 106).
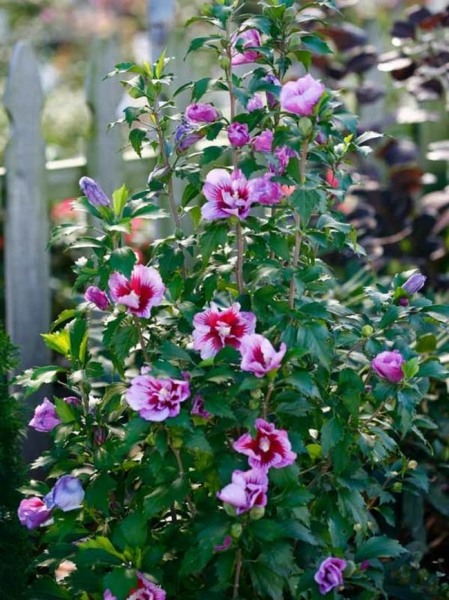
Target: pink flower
(225, 545)
(140, 293)
(227, 195)
(238, 134)
(146, 590)
(217, 327)
(283, 155)
(96, 296)
(270, 448)
(331, 179)
(67, 494)
(265, 191)
(157, 399)
(247, 39)
(414, 283)
(255, 103)
(330, 574)
(186, 135)
(32, 512)
(388, 365)
(301, 96)
(263, 142)
(247, 490)
(259, 356)
(198, 409)
(45, 418)
(201, 113)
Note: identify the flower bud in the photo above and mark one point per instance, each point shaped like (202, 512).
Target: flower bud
(257, 513)
(367, 331)
(397, 486)
(93, 192)
(350, 568)
(236, 530)
(96, 296)
(412, 464)
(305, 126)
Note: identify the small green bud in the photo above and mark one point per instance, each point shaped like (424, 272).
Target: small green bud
(350, 568)
(397, 486)
(357, 527)
(412, 464)
(257, 513)
(236, 531)
(179, 234)
(229, 509)
(254, 403)
(224, 62)
(176, 442)
(305, 126)
(367, 331)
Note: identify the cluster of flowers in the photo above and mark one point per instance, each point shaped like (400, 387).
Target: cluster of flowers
(67, 494)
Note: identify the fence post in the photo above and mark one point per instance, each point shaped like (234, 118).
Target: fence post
(27, 270)
(27, 265)
(104, 148)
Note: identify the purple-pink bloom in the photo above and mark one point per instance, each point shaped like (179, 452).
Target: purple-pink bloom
(156, 399)
(32, 512)
(259, 356)
(270, 448)
(227, 195)
(271, 98)
(140, 293)
(198, 409)
(145, 590)
(255, 103)
(247, 490)
(247, 39)
(301, 96)
(238, 134)
(330, 574)
(93, 192)
(96, 296)
(45, 418)
(67, 494)
(283, 155)
(388, 365)
(186, 135)
(414, 283)
(72, 400)
(266, 191)
(263, 142)
(201, 113)
(217, 327)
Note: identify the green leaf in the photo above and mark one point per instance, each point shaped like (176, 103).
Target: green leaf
(304, 383)
(59, 341)
(389, 317)
(101, 542)
(33, 379)
(98, 492)
(379, 547)
(122, 260)
(66, 412)
(265, 581)
(411, 367)
(331, 433)
(316, 44)
(214, 236)
(426, 343)
(351, 387)
(171, 351)
(306, 201)
(434, 369)
(134, 530)
(120, 582)
(119, 200)
(316, 339)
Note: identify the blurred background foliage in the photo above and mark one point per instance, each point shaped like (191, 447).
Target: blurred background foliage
(390, 59)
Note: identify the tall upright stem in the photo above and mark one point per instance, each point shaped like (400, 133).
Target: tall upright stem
(141, 340)
(238, 569)
(297, 247)
(240, 253)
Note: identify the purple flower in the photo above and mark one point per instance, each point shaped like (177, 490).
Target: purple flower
(32, 512)
(283, 155)
(247, 490)
(255, 103)
(96, 296)
(247, 39)
(145, 590)
(201, 113)
(270, 448)
(265, 191)
(263, 142)
(217, 327)
(388, 365)
(301, 96)
(330, 574)
(186, 135)
(140, 293)
(227, 195)
(414, 283)
(72, 400)
(45, 418)
(259, 356)
(93, 192)
(157, 399)
(198, 409)
(67, 494)
(238, 134)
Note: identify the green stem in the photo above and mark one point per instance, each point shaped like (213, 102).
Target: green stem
(141, 340)
(266, 400)
(240, 255)
(238, 570)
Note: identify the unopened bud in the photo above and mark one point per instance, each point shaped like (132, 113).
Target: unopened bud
(412, 464)
(350, 568)
(397, 486)
(257, 513)
(236, 530)
(367, 330)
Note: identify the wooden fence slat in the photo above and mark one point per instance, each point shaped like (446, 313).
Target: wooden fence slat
(104, 156)
(26, 229)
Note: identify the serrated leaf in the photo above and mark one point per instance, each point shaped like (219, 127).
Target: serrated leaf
(331, 433)
(59, 341)
(123, 260)
(306, 201)
(379, 547)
